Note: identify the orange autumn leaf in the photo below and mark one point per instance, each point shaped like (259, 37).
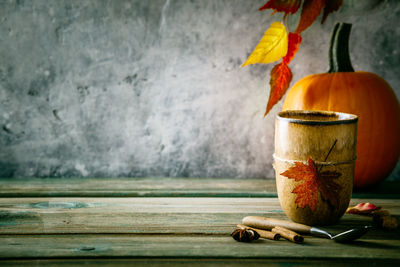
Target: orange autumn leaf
(309, 13)
(293, 46)
(331, 6)
(281, 75)
(362, 208)
(287, 6)
(314, 181)
(307, 191)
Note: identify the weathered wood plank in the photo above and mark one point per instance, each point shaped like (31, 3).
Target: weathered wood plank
(137, 187)
(128, 215)
(161, 187)
(194, 246)
(199, 262)
(146, 215)
(179, 228)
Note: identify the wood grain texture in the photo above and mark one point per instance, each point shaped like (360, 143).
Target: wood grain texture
(189, 246)
(147, 215)
(161, 187)
(137, 187)
(198, 262)
(180, 230)
(129, 215)
(236, 262)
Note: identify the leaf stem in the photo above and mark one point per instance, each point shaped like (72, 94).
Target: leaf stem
(329, 152)
(286, 18)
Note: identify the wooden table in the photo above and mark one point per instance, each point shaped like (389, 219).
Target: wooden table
(163, 221)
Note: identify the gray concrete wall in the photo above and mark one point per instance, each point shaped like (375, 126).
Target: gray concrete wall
(154, 88)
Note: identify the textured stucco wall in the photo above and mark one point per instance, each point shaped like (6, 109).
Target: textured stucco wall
(155, 88)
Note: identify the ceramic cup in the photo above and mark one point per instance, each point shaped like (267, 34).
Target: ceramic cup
(315, 153)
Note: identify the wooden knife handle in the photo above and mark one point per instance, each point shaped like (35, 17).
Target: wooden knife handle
(269, 223)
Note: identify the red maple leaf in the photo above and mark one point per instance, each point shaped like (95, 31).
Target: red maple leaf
(309, 13)
(281, 75)
(287, 6)
(314, 181)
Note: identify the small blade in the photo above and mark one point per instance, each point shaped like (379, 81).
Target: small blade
(351, 235)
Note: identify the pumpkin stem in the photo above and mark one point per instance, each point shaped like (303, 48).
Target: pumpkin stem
(339, 57)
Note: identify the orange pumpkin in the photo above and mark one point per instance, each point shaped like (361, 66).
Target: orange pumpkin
(362, 93)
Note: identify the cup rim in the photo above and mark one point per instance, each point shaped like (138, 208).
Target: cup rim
(342, 118)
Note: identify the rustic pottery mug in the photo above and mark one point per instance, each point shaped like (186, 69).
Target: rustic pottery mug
(314, 159)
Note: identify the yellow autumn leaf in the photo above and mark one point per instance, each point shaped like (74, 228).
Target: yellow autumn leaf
(272, 46)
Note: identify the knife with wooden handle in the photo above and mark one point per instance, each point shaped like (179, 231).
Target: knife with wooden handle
(269, 223)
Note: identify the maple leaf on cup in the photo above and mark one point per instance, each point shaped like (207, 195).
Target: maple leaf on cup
(314, 181)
